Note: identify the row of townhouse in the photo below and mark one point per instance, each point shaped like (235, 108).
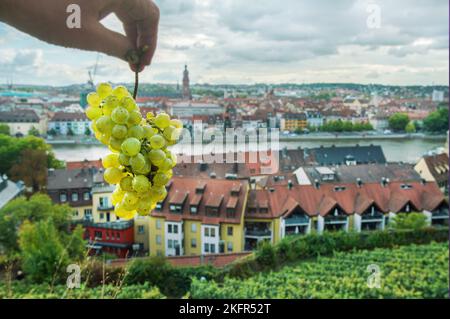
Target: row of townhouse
(202, 215)
(210, 216)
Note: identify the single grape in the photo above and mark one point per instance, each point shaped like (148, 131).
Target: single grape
(131, 146)
(137, 162)
(111, 102)
(104, 124)
(104, 138)
(171, 133)
(111, 160)
(141, 184)
(117, 196)
(122, 212)
(124, 159)
(166, 165)
(157, 141)
(119, 115)
(136, 131)
(93, 113)
(128, 103)
(120, 91)
(126, 183)
(160, 179)
(103, 90)
(156, 157)
(93, 99)
(119, 131)
(113, 175)
(176, 123)
(134, 118)
(145, 170)
(115, 144)
(130, 198)
(149, 131)
(162, 120)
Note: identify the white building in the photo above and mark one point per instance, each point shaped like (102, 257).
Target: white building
(63, 123)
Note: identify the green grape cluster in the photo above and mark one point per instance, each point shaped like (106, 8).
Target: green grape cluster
(140, 164)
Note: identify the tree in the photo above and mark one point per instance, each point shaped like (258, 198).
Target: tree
(31, 168)
(38, 207)
(11, 148)
(412, 221)
(70, 132)
(437, 121)
(398, 121)
(87, 131)
(410, 128)
(42, 253)
(4, 129)
(33, 131)
(52, 132)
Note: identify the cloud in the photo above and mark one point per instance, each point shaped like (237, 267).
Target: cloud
(272, 41)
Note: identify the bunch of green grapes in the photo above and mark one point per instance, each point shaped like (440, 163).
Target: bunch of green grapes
(140, 164)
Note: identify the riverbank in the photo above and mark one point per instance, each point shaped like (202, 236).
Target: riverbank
(293, 138)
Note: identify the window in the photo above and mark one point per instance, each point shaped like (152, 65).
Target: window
(118, 236)
(230, 246)
(75, 213)
(213, 232)
(102, 215)
(193, 210)
(194, 228)
(158, 239)
(63, 197)
(86, 196)
(193, 242)
(104, 202)
(141, 229)
(212, 248)
(88, 212)
(169, 228)
(230, 231)
(206, 248)
(74, 197)
(170, 243)
(206, 232)
(175, 229)
(98, 234)
(158, 224)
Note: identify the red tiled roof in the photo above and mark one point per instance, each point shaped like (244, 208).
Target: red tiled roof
(352, 199)
(217, 194)
(84, 164)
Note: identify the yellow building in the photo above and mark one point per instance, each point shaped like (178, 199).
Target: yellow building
(199, 217)
(293, 121)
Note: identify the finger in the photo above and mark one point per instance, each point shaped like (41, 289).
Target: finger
(148, 36)
(132, 34)
(110, 42)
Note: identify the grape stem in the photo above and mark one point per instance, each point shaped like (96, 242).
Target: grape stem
(136, 84)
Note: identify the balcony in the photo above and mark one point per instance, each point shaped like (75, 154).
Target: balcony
(118, 225)
(372, 218)
(335, 219)
(297, 220)
(108, 207)
(258, 233)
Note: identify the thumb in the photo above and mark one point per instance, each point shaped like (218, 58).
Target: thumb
(110, 42)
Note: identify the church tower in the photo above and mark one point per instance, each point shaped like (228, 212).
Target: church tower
(186, 90)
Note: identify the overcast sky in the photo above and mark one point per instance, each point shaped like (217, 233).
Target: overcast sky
(272, 41)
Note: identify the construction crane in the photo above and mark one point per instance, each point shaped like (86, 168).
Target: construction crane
(92, 72)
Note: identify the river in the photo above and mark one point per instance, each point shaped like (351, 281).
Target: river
(395, 150)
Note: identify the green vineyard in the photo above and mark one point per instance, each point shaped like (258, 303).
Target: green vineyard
(406, 272)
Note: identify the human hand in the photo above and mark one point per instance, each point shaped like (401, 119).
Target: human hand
(46, 20)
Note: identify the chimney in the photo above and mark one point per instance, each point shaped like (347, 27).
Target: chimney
(316, 184)
(289, 184)
(359, 182)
